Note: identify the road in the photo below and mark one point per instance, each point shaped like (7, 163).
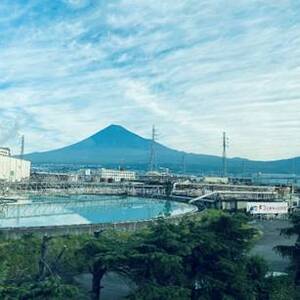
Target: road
(271, 237)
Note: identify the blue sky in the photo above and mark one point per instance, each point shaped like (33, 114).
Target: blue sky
(193, 67)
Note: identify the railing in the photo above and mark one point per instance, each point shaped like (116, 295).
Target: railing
(238, 195)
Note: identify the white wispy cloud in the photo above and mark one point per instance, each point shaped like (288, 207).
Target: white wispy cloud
(194, 68)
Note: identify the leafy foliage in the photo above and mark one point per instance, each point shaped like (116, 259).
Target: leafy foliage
(197, 259)
(293, 252)
(281, 288)
(20, 263)
(105, 252)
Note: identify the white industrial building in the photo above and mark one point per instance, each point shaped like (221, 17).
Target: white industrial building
(215, 180)
(116, 175)
(13, 169)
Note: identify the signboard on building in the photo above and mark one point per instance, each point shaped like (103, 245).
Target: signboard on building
(267, 207)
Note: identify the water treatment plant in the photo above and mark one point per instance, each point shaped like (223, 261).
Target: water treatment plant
(87, 200)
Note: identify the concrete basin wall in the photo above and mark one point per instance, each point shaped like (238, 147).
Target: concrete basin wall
(78, 229)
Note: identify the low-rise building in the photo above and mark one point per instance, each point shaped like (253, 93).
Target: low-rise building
(116, 175)
(13, 169)
(50, 177)
(215, 180)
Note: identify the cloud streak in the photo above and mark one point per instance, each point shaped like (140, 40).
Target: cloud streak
(194, 68)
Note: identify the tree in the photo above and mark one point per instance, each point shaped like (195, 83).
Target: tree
(280, 288)
(105, 252)
(293, 251)
(156, 262)
(217, 266)
(27, 271)
(20, 257)
(197, 260)
(257, 269)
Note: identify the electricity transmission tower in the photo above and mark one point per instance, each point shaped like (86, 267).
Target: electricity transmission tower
(152, 162)
(225, 146)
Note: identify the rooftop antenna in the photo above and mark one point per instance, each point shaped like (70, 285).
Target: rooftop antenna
(152, 162)
(22, 146)
(225, 146)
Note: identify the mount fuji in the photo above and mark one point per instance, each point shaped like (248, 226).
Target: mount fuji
(115, 145)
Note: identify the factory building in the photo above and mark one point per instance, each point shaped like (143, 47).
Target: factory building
(116, 175)
(13, 169)
(215, 180)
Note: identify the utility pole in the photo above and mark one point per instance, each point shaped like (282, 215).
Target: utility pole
(152, 162)
(22, 146)
(225, 145)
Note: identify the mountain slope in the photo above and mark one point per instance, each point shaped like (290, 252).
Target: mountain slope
(115, 144)
(111, 145)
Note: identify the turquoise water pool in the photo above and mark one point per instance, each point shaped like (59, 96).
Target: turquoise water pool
(87, 209)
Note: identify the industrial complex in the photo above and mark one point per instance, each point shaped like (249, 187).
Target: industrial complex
(70, 197)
